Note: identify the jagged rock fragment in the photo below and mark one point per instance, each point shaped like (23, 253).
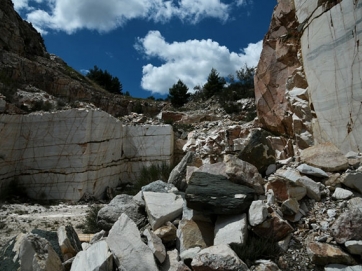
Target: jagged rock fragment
(162, 207)
(124, 241)
(110, 213)
(69, 242)
(231, 229)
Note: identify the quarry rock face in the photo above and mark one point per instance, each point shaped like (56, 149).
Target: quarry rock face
(312, 46)
(65, 154)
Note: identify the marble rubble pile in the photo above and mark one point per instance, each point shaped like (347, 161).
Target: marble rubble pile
(310, 207)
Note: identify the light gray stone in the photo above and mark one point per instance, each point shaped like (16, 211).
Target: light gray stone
(353, 179)
(231, 229)
(68, 241)
(265, 265)
(98, 236)
(125, 243)
(342, 194)
(341, 267)
(290, 207)
(354, 247)
(158, 186)
(258, 212)
(162, 207)
(355, 203)
(110, 213)
(187, 255)
(348, 226)
(172, 262)
(155, 244)
(312, 171)
(96, 258)
(220, 257)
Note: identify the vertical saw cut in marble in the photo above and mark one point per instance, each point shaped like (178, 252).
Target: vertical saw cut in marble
(332, 57)
(65, 154)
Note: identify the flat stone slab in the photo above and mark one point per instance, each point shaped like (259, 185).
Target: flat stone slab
(162, 207)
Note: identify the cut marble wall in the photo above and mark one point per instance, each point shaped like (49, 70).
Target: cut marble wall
(65, 154)
(332, 57)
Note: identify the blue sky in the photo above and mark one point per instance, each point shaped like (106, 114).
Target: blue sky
(150, 44)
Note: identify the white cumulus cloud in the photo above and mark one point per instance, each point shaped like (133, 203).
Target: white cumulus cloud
(103, 16)
(191, 61)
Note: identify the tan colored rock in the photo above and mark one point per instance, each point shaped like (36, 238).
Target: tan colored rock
(194, 234)
(323, 254)
(167, 232)
(325, 156)
(68, 241)
(284, 189)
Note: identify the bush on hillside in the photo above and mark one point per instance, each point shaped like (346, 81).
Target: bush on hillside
(105, 80)
(178, 94)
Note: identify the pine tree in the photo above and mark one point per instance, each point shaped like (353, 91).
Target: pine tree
(215, 84)
(178, 94)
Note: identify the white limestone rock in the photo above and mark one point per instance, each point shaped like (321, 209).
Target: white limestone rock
(333, 38)
(65, 154)
(96, 258)
(155, 244)
(231, 229)
(352, 179)
(312, 171)
(125, 243)
(162, 207)
(258, 212)
(354, 247)
(220, 257)
(341, 267)
(342, 194)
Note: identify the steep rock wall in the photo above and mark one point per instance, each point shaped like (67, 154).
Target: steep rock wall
(332, 58)
(65, 154)
(308, 80)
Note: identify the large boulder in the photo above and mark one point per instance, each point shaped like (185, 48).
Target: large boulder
(96, 258)
(323, 254)
(37, 254)
(162, 207)
(217, 195)
(109, 214)
(194, 234)
(352, 179)
(231, 229)
(325, 156)
(258, 150)
(125, 243)
(348, 226)
(220, 257)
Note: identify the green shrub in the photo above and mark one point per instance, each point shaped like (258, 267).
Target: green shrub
(257, 248)
(90, 224)
(150, 174)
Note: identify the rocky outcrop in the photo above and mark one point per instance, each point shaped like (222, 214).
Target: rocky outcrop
(309, 75)
(65, 154)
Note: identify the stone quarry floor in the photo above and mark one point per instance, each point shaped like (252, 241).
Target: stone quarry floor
(24, 217)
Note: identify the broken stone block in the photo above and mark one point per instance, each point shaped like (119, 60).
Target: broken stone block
(162, 207)
(231, 229)
(125, 243)
(155, 244)
(96, 257)
(258, 212)
(220, 257)
(323, 254)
